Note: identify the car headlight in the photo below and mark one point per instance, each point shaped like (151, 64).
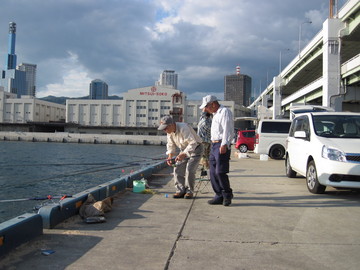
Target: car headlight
(333, 154)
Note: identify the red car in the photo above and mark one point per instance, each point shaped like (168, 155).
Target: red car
(245, 140)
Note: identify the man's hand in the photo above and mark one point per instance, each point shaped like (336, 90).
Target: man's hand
(180, 157)
(168, 161)
(223, 149)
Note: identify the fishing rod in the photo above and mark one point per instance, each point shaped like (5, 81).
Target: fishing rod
(61, 164)
(175, 163)
(49, 197)
(159, 157)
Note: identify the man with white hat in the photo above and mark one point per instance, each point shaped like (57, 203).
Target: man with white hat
(183, 136)
(222, 133)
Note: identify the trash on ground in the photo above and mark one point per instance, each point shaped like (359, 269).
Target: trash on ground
(47, 252)
(92, 211)
(98, 219)
(149, 191)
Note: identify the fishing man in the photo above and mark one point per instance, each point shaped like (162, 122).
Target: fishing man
(222, 133)
(183, 136)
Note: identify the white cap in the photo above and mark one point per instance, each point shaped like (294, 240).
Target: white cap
(206, 100)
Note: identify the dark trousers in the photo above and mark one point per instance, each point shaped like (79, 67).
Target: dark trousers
(219, 167)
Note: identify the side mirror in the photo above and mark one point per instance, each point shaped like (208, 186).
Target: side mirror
(300, 134)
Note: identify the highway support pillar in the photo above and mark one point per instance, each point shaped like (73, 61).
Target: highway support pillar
(331, 64)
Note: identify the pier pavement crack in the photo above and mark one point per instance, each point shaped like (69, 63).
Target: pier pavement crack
(172, 251)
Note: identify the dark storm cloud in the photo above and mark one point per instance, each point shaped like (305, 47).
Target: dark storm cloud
(127, 43)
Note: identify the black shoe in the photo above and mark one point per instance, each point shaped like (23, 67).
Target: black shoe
(227, 202)
(215, 201)
(178, 195)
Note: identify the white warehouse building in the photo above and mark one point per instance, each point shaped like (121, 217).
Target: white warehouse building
(28, 109)
(140, 107)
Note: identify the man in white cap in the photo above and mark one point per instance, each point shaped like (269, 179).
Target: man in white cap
(222, 133)
(183, 136)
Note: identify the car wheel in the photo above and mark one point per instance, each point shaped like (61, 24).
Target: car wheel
(312, 181)
(277, 152)
(289, 171)
(243, 148)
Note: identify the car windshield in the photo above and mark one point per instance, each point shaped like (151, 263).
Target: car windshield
(337, 126)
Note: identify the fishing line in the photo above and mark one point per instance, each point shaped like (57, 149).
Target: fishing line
(83, 164)
(49, 197)
(80, 172)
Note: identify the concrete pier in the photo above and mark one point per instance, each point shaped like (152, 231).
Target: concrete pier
(272, 223)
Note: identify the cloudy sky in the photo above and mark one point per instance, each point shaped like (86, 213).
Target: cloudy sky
(128, 43)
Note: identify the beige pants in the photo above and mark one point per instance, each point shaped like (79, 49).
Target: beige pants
(184, 173)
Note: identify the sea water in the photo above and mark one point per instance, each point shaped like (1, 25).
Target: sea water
(34, 169)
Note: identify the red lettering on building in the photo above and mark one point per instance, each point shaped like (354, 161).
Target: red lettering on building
(153, 94)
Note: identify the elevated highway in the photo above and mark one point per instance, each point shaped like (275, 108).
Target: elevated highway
(326, 72)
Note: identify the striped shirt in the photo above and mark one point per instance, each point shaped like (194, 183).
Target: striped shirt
(204, 128)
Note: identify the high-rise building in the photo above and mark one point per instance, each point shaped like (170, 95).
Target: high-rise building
(98, 89)
(237, 88)
(13, 80)
(11, 57)
(168, 78)
(30, 70)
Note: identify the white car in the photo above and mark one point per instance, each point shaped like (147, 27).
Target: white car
(325, 148)
(270, 137)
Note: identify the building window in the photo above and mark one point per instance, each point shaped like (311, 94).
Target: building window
(333, 47)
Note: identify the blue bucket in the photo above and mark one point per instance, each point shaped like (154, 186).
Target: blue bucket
(138, 186)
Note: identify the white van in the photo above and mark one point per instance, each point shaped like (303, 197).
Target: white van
(270, 137)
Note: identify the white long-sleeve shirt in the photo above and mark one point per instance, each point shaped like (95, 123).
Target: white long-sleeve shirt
(222, 127)
(185, 138)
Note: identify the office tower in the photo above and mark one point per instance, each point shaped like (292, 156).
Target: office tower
(11, 58)
(30, 70)
(98, 89)
(237, 88)
(14, 81)
(169, 78)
